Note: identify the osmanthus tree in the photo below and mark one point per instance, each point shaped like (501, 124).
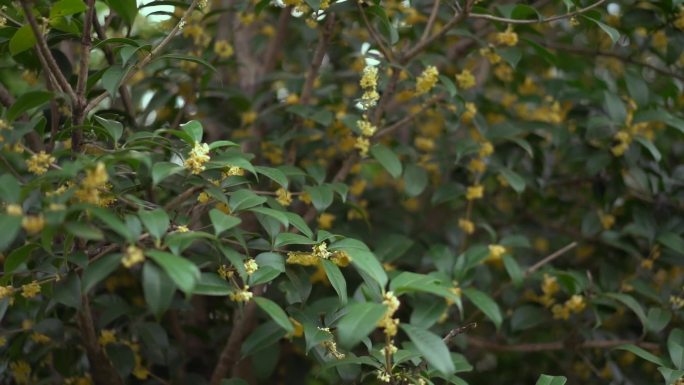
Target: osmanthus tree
(325, 192)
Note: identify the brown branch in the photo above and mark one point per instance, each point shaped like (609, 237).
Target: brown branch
(6, 99)
(42, 47)
(539, 21)
(400, 123)
(319, 54)
(550, 258)
(147, 59)
(182, 197)
(101, 369)
(276, 44)
(80, 103)
(431, 20)
(597, 52)
(244, 320)
(481, 343)
(374, 35)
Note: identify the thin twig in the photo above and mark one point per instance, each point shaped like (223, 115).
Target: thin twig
(182, 197)
(319, 54)
(550, 258)
(374, 35)
(147, 59)
(481, 343)
(538, 21)
(42, 47)
(431, 20)
(401, 122)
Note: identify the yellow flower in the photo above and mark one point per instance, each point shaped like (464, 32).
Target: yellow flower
(95, 178)
(14, 210)
(40, 162)
(424, 144)
(225, 272)
(490, 55)
(243, 295)
(503, 72)
(475, 192)
(134, 255)
(607, 220)
(301, 258)
(325, 221)
(203, 197)
(21, 371)
(387, 322)
(199, 155)
(659, 41)
(341, 258)
(362, 144)
(40, 338)
(30, 290)
(107, 337)
(426, 80)
(469, 113)
(321, 251)
(575, 304)
(357, 187)
(182, 229)
(477, 165)
(367, 129)
(466, 225)
(331, 347)
(33, 224)
(465, 79)
(624, 139)
(6, 292)
(369, 98)
(298, 328)
(283, 197)
(223, 49)
(496, 252)
(550, 285)
(508, 37)
(369, 78)
(248, 117)
(233, 171)
(251, 266)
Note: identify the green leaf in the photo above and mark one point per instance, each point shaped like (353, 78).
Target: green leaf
(545, 379)
(336, 279)
(655, 153)
(184, 273)
(673, 242)
(388, 159)
(244, 199)
(321, 196)
(68, 291)
(158, 289)
(161, 170)
(23, 40)
(513, 269)
(299, 224)
(614, 107)
(112, 77)
(10, 190)
(18, 257)
(67, 7)
(274, 174)
(413, 282)
(127, 9)
(213, 285)
(280, 216)
(99, 270)
(525, 12)
(114, 128)
(485, 303)
(670, 375)
(222, 221)
(646, 355)
(156, 222)
(263, 337)
(431, 346)
(526, 317)
(194, 129)
(113, 222)
(363, 259)
(612, 32)
(84, 231)
(415, 180)
(284, 239)
(10, 225)
(194, 59)
(632, 304)
(637, 87)
(359, 320)
(675, 346)
(658, 318)
(27, 101)
(514, 179)
(275, 312)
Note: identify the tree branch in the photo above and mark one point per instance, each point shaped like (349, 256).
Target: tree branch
(481, 343)
(101, 369)
(319, 54)
(539, 21)
(374, 35)
(431, 20)
(550, 258)
(42, 47)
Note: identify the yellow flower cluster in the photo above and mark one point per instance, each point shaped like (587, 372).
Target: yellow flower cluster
(283, 197)
(199, 155)
(223, 49)
(6, 292)
(469, 113)
(367, 130)
(40, 338)
(575, 304)
(465, 79)
(21, 371)
(39, 163)
(33, 224)
(243, 295)
(491, 56)
(369, 84)
(331, 346)
(426, 80)
(233, 171)
(107, 337)
(466, 225)
(340, 258)
(362, 144)
(321, 251)
(607, 220)
(474, 192)
(325, 221)
(623, 139)
(30, 290)
(496, 252)
(93, 185)
(549, 288)
(251, 266)
(388, 323)
(508, 37)
(134, 255)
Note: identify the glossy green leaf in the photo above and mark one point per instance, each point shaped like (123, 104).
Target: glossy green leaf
(28, 101)
(337, 280)
(415, 180)
(222, 221)
(388, 159)
(359, 320)
(161, 170)
(23, 40)
(545, 379)
(244, 199)
(431, 346)
(182, 272)
(275, 312)
(194, 129)
(486, 304)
